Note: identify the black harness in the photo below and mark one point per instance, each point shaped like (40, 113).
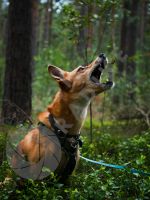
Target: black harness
(69, 144)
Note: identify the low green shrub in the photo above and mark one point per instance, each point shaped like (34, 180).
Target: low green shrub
(92, 181)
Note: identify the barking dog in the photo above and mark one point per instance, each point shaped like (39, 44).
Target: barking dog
(55, 142)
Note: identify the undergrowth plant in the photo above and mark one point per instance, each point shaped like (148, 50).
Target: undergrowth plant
(91, 181)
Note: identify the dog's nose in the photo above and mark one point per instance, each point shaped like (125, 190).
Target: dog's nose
(102, 56)
(103, 60)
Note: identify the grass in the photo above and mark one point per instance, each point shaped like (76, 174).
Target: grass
(91, 181)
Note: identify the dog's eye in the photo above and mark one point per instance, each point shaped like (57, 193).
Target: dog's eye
(81, 68)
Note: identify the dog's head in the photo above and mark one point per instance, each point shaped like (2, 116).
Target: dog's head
(84, 80)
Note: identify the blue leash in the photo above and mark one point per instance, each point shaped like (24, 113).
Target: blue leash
(133, 171)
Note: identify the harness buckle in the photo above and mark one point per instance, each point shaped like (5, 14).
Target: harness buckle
(60, 134)
(74, 145)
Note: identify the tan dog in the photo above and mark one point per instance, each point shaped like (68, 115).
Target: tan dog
(68, 111)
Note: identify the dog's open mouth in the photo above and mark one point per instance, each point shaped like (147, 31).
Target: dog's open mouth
(95, 76)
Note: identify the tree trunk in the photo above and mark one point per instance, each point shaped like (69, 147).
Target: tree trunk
(2, 45)
(143, 13)
(101, 30)
(143, 30)
(90, 28)
(113, 28)
(50, 21)
(132, 40)
(47, 33)
(85, 43)
(81, 45)
(123, 39)
(19, 60)
(128, 39)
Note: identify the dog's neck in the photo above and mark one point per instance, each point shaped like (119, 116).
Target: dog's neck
(69, 111)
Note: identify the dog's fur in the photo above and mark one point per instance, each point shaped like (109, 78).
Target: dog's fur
(69, 106)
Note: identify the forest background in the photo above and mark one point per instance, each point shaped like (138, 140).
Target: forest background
(69, 33)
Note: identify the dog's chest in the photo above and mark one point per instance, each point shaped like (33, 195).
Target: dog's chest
(79, 111)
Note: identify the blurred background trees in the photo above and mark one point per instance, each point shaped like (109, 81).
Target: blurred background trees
(70, 33)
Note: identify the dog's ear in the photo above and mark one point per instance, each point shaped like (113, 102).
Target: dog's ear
(56, 72)
(58, 75)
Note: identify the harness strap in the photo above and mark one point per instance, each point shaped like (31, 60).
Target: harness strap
(58, 131)
(62, 136)
(69, 144)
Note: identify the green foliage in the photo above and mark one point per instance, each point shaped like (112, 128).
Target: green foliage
(91, 181)
(3, 135)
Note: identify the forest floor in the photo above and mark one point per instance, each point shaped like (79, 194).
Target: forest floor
(113, 142)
